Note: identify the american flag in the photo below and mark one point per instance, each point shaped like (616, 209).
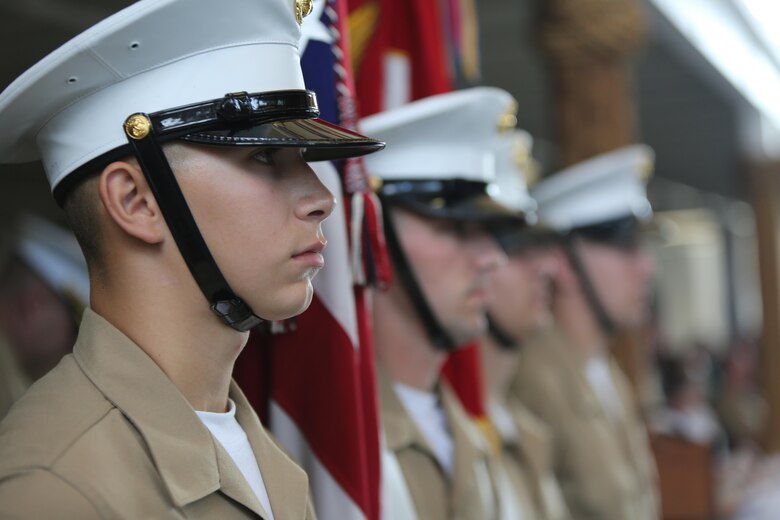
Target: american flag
(314, 381)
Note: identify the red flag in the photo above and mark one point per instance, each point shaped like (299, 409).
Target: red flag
(463, 370)
(400, 52)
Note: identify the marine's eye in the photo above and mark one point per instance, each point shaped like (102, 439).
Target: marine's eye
(266, 155)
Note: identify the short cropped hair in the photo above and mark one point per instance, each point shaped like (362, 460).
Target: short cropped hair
(81, 207)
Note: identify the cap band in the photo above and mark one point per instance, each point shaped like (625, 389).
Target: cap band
(452, 199)
(234, 111)
(621, 232)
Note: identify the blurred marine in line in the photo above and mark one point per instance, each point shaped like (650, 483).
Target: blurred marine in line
(566, 376)
(437, 216)
(519, 307)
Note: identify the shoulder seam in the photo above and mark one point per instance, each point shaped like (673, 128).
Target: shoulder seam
(76, 438)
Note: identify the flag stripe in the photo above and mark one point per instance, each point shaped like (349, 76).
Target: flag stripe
(334, 283)
(316, 379)
(329, 498)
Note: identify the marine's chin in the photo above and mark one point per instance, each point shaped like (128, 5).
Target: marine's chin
(292, 303)
(468, 329)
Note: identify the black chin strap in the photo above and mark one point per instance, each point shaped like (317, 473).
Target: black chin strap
(224, 302)
(607, 325)
(500, 336)
(438, 336)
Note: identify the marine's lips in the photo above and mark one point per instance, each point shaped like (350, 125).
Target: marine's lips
(479, 291)
(311, 255)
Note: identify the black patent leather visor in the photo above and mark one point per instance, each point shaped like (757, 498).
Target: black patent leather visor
(623, 232)
(518, 240)
(322, 141)
(452, 199)
(278, 119)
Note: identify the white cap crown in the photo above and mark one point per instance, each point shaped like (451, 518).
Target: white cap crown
(440, 137)
(156, 54)
(597, 190)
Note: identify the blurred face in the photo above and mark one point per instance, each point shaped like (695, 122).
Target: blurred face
(452, 263)
(621, 278)
(260, 212)
(522, 291)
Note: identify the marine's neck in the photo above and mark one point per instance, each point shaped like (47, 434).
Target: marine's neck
(498, 368)
(576, 320)
(402, 345)
(170, 320)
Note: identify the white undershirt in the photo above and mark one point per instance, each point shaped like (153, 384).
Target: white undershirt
(600, 378)
(428, 415)
(225, 428)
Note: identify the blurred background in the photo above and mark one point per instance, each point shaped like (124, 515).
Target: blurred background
(699, 81)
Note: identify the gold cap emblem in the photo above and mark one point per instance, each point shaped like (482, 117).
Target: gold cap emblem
(303, 8)
(521, 155)
(438, 203)
(646, 169)
(137, 126)
(376, 183)
(527, 167)
(508, 120)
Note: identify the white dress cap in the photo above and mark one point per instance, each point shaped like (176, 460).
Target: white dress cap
(604, 188)
(154, 55)
(512, 163)
(445, 136)
(53, 254)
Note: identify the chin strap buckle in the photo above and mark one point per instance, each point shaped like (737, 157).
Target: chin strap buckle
(236, 314)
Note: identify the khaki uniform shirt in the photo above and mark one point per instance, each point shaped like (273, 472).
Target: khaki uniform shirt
(471, 492)
(527, 461)
(107, 435)
(13, 382)
(603, 464)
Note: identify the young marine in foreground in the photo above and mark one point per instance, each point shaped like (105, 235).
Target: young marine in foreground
(437, 219)
(175, 134)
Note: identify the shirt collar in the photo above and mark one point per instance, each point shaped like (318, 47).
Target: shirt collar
(134, 383)
(580, 393)
(400, 430)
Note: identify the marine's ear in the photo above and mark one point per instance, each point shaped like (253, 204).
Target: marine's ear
(129, 202)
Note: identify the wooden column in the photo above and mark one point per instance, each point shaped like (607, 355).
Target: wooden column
(764, 184)
(590, 45)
